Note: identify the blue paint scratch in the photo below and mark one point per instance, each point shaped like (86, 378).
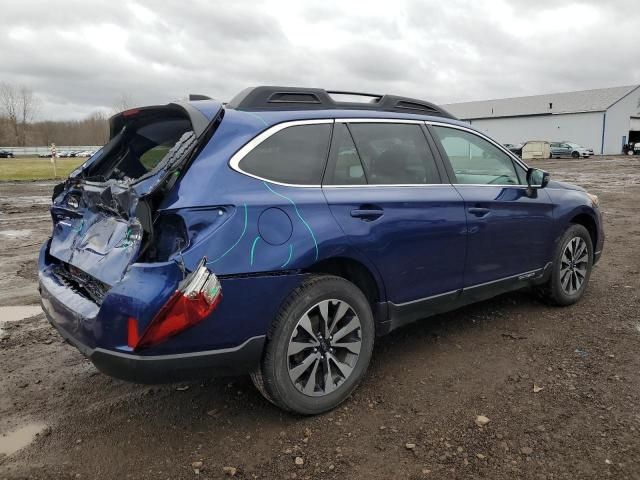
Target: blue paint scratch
(315, 243)
(79, 229)
(290, 255)
(253, 247)
(244, 230)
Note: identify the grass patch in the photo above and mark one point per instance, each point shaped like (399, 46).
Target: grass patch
(34, 168)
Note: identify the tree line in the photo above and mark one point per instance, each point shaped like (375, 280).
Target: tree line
(20, 125)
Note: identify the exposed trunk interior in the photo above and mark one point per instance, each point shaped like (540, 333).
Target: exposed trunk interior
(143, 139)
(105, 216)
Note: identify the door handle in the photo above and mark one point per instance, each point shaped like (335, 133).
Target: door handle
(367, 213)
(478, 211)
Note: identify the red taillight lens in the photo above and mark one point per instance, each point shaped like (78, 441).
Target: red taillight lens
(198, 295)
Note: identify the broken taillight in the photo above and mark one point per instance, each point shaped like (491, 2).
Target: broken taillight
(197, 296)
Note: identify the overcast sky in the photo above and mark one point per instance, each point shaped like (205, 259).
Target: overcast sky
(81, 55)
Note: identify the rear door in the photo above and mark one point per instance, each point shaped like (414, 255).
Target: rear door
(509, 229)
(384, 188)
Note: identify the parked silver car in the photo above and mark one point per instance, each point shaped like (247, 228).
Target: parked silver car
(569, 149)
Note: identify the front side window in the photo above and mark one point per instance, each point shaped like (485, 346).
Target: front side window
(475, 160)
(394, 153)
(294, 155)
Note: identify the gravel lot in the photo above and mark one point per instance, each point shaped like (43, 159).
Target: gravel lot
(560, 386)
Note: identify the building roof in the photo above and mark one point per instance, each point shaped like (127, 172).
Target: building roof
(597, 100)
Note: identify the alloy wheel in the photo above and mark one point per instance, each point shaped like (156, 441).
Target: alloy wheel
(324, 347)
(573, 265)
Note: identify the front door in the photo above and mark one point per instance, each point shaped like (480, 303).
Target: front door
(509, 229)
(385, 191)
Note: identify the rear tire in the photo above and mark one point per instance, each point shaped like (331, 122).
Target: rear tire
(318, 347)
(571, 268)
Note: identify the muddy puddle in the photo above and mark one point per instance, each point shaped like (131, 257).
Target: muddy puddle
(15, 233)
(13, 441)
(17, 313)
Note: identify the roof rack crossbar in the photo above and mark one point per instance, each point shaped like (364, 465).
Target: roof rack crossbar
(295, 98)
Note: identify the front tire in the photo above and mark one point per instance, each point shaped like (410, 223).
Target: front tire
(318, 347)
(575, 154)
(572, 266)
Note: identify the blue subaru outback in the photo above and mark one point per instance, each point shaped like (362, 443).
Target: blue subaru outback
(279, 234)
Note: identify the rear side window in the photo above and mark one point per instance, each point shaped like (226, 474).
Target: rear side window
(294, 155)
(394, 153)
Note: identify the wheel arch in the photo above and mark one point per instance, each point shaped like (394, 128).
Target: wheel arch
(588, 222)
(360, 274)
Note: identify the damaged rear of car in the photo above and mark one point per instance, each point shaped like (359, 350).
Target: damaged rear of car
(111, 277)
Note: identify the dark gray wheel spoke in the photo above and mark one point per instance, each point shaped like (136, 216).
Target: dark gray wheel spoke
(296, 372)
(324, 347)
(310, 384)
(344, 369)
(323, 307)
(573, 265)
(297, 347)
(305, 324)
(329, 384)
(342, 309)
(353, 324)
(353, 347)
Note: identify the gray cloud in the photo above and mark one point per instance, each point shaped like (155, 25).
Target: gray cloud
(82, 55)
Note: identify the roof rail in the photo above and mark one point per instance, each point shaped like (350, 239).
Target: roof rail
(296, 98)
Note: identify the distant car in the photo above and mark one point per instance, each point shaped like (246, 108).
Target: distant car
(6, 154)
(515, 148)
(66, 154)
(44, 155)
(85, 153)
(567, 149)
(575, 145)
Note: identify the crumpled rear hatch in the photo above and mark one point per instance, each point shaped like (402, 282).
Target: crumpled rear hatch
(104, 214)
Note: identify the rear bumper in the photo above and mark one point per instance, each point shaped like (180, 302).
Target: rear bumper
(227, 344)
(154, 369)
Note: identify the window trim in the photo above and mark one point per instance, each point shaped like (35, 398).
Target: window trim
(420, 123)
(262, 136)
(510, 154)
(237, 157)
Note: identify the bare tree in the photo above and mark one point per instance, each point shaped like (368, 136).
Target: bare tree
(122, 103)
(20, 106)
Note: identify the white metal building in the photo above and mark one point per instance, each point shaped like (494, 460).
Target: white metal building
(603, 119)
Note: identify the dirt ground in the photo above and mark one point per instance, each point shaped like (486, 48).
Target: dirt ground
(425, 387)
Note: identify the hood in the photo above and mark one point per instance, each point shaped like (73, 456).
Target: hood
(564, 186)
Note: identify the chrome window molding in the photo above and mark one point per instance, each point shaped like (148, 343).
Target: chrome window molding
(380, 120)
(509, 153)
(257, 140)
(254, 142)
(386, 185)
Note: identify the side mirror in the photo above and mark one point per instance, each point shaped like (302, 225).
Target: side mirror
(537, 178)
